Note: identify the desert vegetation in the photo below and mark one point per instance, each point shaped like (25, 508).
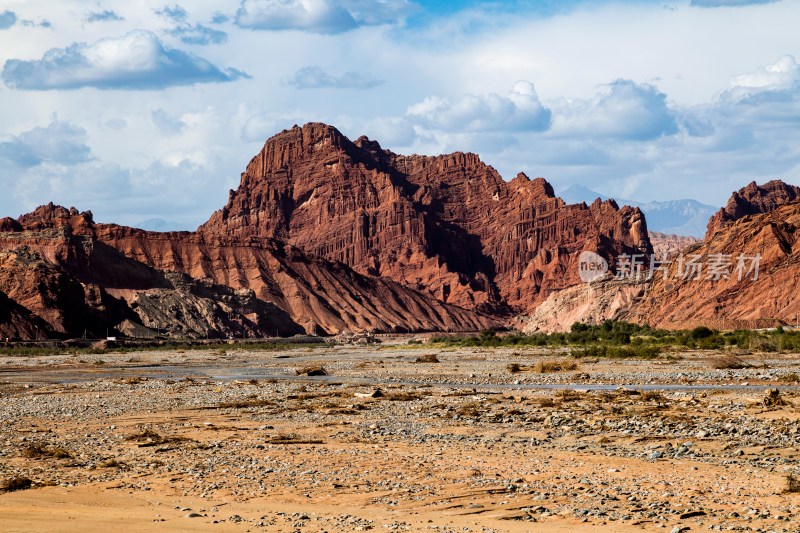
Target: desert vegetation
(624, 339)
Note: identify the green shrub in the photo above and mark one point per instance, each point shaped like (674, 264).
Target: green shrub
(700, 332)
(763, 344)
(641, 352)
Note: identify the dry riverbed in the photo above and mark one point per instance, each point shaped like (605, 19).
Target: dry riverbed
(235, 440)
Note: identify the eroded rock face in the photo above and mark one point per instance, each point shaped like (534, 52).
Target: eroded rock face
(731, 302)
(589, 303)
(198, 309)
(191, 285)
(41, 298)
(323, 296)
(752, 200)
(446, 225)
(326, 234)
(17, 322)
(671, 245)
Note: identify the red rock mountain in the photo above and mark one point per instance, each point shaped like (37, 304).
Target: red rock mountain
(447, 225)
(760, 221)
(752, 200)
(760, 226)
(322, 235)
(770, 298)
(74, 275)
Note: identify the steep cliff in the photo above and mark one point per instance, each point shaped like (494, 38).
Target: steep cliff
(447, 225)
(749, 276)
(325, 234)
(753, 200)
(109, 274)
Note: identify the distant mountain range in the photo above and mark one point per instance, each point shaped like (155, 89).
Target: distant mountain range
(159, 224)
(679, 217)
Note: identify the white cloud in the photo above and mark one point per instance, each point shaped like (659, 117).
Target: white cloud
(188, 33)
(624, 109)
(319, 16)
(59, 143)
(520, 110)
(779, 77)
(103, 16)
(137, 60)
(198, 34)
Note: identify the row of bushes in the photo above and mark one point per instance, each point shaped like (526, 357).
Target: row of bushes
(623, 339)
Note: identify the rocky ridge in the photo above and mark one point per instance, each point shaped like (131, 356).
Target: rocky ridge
(753, 285)
(104, 276)
(326, 235)
(447, 225)
(747, 275)
(753, 199)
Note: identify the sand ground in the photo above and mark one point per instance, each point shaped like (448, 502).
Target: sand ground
(234, 440)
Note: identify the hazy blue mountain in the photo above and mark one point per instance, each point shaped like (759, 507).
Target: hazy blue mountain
(575, 194)
(159, 224)
(681, 217)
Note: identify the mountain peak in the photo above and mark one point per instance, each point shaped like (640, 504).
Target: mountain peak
(753, 199)
(52, 215)
(448, 223)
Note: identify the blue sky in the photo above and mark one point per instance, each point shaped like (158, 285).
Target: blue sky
(151, 109)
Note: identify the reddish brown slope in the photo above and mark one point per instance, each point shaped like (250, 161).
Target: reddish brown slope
(752, 200)
(448, 225)
(235, 286)
(40, 298)
(761, 221)
(321, 295)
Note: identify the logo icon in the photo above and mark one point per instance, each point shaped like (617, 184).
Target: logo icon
(591, 266)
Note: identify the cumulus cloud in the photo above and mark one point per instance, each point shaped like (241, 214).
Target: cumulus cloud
(779, 80)
(729, 3)
(60, 143)
(623, 110)
(103, 16)
(114, 192)
(7, 19)
(520, 110)
(137, 60)
(219, 18)
(320, 16)
(317, 78)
